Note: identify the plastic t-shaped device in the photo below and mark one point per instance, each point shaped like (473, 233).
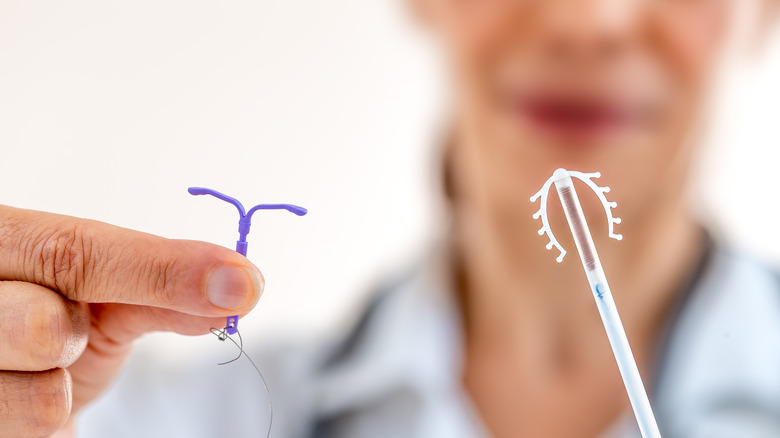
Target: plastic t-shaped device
(244, 223)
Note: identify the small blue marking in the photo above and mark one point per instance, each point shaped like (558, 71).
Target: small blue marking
(598, 292)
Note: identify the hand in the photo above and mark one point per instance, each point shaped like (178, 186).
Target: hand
(75, 294)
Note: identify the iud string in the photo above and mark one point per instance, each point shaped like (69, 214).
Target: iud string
(231, 325)
(222, 335)
(597, 280)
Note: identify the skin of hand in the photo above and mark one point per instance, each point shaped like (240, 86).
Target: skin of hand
(74, 296)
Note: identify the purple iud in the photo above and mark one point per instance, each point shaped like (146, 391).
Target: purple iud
(243, 229)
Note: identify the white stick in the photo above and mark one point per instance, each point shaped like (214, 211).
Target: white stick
(606, 305)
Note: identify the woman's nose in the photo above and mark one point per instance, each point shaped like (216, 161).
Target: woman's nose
(585, 30)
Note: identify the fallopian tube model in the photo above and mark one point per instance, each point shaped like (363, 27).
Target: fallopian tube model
(244, 223)
(598, 282)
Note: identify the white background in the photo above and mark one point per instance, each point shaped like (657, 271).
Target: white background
(111, 109)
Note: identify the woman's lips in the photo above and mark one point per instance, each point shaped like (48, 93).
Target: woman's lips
(574, 119)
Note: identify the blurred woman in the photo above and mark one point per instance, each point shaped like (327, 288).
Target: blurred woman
(488, 335)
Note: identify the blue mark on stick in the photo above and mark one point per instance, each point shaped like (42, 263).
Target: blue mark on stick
(599, 293)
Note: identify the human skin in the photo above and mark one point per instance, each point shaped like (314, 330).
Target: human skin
(74, 296)
(616, 86)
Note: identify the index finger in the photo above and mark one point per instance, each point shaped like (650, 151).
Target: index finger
(94, 262)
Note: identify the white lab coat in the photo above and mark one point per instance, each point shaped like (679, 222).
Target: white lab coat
(397, 374)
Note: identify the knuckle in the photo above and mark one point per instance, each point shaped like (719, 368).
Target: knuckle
(63, 253)
(50, 401)
(49, 331)
(158, 273)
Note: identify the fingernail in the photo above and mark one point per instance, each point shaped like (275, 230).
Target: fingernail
(233, 287)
